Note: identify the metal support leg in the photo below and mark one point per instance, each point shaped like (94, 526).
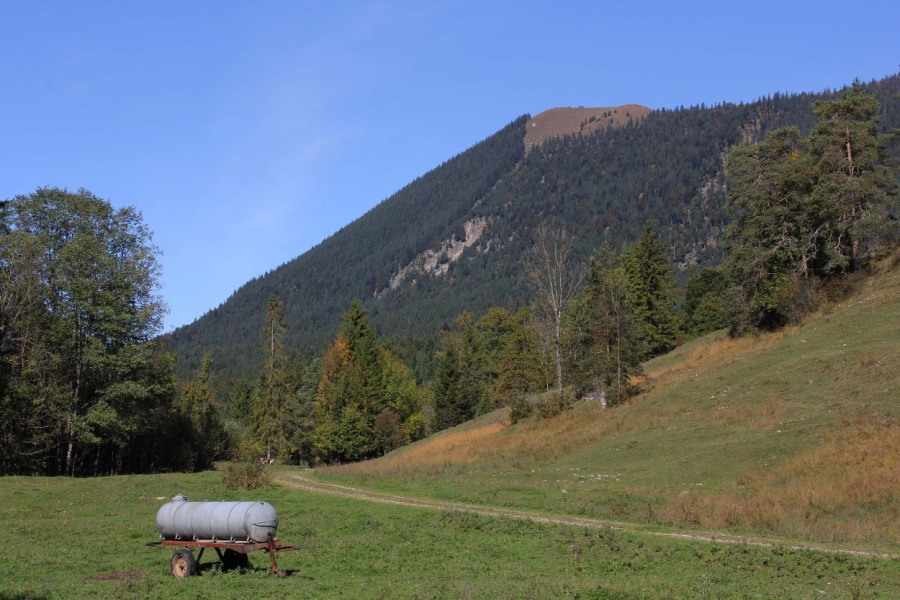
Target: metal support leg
(271, 551)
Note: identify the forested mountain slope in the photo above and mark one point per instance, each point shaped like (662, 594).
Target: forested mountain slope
(452, 240)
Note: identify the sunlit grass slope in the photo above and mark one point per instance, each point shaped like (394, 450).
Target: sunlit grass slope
(792, 434)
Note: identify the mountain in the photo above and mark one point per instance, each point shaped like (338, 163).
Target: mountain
(452, 240)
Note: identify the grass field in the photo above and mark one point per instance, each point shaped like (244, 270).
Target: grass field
(85, 538)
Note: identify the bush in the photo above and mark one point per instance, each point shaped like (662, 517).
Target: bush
(520, 409)
(388, 431)
(249, 471)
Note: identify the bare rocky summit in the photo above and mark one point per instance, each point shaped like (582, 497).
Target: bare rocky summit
(567, 121)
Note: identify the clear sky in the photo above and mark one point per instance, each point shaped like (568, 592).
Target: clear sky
(247, 132)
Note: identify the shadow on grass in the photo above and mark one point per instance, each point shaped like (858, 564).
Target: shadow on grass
(216, 568)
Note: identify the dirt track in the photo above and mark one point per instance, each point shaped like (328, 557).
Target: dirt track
(298, 481)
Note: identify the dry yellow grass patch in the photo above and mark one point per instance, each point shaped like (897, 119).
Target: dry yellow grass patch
(489, 446)
(714, 355)
(846, 489)
(453, 447)
(457, 446)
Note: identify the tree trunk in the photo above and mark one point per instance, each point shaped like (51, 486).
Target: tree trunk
(559, 366)
(69, 453)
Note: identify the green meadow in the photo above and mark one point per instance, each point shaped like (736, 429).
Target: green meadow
(86, 538)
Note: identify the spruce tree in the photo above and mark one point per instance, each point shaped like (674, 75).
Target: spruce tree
(448, 406)
(206, 436)
(519, 369)
(651, 291)
(269, 415)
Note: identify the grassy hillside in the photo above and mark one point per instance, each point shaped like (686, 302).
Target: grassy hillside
(794, 434)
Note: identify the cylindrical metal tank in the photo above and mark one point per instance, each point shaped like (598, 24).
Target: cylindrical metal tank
(179, 519)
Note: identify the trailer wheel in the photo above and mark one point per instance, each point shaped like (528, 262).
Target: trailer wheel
(234, 560)
(183, 563)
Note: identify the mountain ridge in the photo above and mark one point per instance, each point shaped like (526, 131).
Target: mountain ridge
(603, 184)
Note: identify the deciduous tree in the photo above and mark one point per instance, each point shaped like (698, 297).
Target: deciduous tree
(705, 308)
(554, 277)
(78, 310)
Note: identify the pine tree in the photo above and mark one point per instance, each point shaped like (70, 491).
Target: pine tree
(854, 189)
(805, 210)
(769, 240)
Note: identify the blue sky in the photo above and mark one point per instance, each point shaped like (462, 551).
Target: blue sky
(247, 132)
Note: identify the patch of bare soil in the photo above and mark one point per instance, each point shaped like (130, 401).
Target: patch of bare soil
(567, 121)
(297, 481)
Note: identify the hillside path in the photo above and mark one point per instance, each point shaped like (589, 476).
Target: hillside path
(301, 482)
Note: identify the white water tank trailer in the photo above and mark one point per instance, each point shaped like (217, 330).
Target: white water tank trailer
(233, 529)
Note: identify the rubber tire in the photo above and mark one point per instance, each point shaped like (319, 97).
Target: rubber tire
(234, 560)
(183, 563)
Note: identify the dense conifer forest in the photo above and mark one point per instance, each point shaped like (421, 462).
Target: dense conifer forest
(667, 169)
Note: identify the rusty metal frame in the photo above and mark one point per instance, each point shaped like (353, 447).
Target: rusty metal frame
(272, 545)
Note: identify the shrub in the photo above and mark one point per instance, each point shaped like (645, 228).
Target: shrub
(249, 471)
(520, 409)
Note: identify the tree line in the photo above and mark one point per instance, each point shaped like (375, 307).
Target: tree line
(86, 387)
